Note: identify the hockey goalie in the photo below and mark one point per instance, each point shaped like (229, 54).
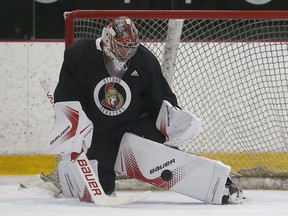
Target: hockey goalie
(115, 112)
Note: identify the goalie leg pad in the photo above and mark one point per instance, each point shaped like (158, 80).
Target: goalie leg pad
(67, 180)
(197, 177)
(82, 168)
(71, 182)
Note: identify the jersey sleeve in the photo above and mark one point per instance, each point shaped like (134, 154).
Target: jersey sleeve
(157, 88)
(68, 87)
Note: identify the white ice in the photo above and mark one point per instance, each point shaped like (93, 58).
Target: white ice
(40, 202)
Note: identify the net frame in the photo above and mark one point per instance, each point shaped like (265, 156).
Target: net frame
(254, 170)
(164, 14)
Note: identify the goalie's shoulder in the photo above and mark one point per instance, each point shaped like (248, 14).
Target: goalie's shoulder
(81, 47)
(144, 54)
(82, 51)
(146, 60)
(81, 43)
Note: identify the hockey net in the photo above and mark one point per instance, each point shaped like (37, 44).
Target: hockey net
(227, 67)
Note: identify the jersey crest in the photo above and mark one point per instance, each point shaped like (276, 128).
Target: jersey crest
(112, 96)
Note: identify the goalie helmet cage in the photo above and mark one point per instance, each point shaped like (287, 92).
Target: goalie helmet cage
(227, 67)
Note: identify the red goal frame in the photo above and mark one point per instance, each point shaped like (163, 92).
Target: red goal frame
(176, 14)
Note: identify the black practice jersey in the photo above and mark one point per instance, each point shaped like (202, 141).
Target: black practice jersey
(112, 104)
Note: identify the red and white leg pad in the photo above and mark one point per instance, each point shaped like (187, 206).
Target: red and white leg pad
(71, 137)
(84, 177)
(197, 177)
(71, 181)
(67, 180)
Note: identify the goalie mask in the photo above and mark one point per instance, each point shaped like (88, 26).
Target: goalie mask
(120, 43)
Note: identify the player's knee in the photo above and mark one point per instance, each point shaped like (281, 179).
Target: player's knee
(107, 179)
(147, 129)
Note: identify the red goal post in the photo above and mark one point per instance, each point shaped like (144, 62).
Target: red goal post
(227, 67)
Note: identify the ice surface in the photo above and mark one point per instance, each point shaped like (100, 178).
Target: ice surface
(41, 202)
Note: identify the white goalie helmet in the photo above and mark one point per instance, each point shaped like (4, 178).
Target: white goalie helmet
(120, 42)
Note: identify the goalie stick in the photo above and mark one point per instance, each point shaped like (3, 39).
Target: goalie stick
(48, 93)
(81, 166)
(84, 170)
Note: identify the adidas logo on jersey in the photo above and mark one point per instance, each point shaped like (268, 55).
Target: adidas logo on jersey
(134, 73)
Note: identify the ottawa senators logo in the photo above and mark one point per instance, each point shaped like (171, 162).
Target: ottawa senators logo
(112, 96)
(113, 99)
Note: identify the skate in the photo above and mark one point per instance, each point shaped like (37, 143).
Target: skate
(234, 194)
